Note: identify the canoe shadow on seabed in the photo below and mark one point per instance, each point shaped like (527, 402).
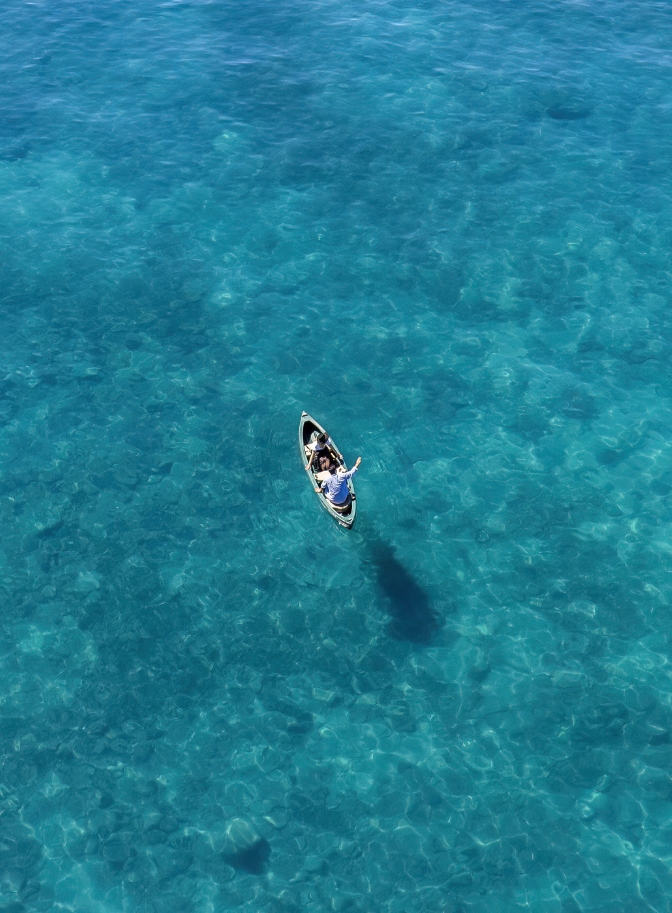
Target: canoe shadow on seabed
(412, 617)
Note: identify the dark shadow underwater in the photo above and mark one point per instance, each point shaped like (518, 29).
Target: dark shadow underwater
(412, 616)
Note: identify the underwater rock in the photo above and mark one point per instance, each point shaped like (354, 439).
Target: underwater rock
(14, 153)
(87, 582)
(563, 112)
(479, 672)
(245, 850)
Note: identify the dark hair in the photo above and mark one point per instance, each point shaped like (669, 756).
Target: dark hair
(322, 437)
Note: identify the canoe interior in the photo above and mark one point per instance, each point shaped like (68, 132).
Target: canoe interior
(307, 427)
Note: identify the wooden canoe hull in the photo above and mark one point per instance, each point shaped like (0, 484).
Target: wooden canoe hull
(307, 426)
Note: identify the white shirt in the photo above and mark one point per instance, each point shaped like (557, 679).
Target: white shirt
(316, 446)
(336, 486)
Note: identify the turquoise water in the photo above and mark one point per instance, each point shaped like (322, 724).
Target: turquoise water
(444, 229)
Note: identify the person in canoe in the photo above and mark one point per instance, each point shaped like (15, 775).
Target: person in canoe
(325, 463)
(335, 487)
(322, 445)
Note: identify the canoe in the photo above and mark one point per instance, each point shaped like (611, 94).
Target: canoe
(307, 427)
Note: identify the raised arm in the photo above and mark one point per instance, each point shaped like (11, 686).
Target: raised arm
(350, 472)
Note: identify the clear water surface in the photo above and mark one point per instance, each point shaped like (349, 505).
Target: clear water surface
(445, 229)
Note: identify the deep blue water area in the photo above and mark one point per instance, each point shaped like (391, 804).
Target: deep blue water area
(445, 230)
